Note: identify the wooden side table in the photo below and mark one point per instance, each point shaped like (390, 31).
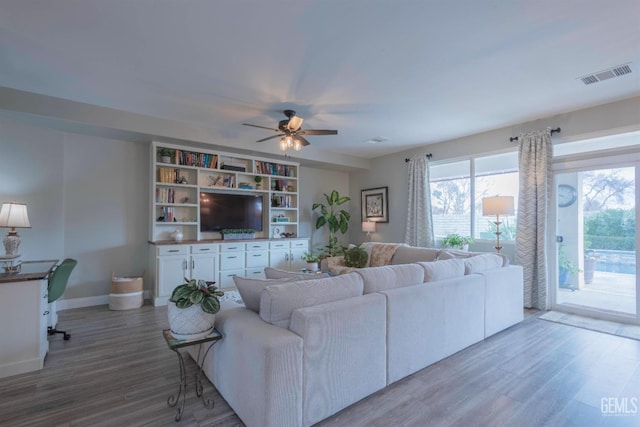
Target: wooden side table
(176, 344)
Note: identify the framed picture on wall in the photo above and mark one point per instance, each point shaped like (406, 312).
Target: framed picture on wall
(375, 205)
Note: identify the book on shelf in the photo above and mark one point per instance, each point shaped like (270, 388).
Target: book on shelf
(165, 195)
(193, 158)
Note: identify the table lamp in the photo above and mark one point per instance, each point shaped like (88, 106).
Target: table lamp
(497, 205)
(13, 215)
(369, 227)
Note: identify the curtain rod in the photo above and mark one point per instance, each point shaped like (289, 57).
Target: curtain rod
(556, 130)
(429, 155)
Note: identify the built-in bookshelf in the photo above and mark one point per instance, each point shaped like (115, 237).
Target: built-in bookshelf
(178, 180)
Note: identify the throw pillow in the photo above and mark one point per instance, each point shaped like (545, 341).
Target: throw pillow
(251, 289)
(278, 302)
(482, 262)
(442, 270)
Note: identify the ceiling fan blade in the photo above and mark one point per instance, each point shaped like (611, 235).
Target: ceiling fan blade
(270, 137)
(303, 141)
(318, 132)
(261, 127)
(294, 123)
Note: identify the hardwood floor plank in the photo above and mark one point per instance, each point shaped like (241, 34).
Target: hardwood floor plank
(117, 370)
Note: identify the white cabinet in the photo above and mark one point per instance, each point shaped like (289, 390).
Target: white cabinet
(256, 259)
(286, 254)
(23, 304)
(174, 263)
(232, 262)
(179, 175)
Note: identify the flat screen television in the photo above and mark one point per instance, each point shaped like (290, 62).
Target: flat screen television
(219, 211)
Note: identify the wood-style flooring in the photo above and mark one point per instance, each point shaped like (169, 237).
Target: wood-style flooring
(117, 371)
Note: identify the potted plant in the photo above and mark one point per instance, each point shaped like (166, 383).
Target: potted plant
(590, 260)
(165, 155)
(455, 240)
(566, 267)
(192, 309)
(356, 257)
(336, 219)
(311, 259)
(258, 180)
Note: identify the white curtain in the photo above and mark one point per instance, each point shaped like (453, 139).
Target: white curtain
(536, 180)
(419, 221)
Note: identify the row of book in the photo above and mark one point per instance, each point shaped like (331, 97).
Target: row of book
(167, 214)
(281, 201)
(168, 175)
(201, 160)
(165, 195)
(268, 168)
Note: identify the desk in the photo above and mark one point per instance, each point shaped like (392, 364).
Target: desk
(23, 311)
(175, 344)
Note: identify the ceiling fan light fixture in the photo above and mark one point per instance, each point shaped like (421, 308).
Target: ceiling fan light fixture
(295, 122)
(297, 145)
(289, 140)
(283, 144)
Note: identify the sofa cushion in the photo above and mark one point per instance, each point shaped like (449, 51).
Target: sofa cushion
(442, 270)
(377, 279)
(276, 273)
(278, 301)
(409, 254)
(454, 253)
(482, 262)
(251, 289)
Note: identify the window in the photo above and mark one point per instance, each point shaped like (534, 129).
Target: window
(457, 190)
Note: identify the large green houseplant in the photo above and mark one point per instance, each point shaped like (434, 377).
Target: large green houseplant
(335, 218)
(192, 308)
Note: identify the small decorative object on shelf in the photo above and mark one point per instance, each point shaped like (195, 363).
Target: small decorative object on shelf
(238, 233)
(192, 308)
(177, 235)
(258, 180)
(166, 154)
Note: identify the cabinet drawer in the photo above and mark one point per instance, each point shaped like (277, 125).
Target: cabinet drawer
(258, 246)
(257, 259)
(279, 245)
(231, 260)
(173, 250)
(299, 244)
(226, 278)
(255, 273)
(231, 247)
(204, 249)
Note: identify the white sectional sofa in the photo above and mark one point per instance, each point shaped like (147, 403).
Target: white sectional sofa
(312, 347)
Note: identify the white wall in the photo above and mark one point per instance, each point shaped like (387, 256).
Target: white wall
(390, 171)
(86, 197)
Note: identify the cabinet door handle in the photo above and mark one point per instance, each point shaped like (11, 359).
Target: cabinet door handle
(185, 265)
(204, 249)
(286, 257)
(173, 250)
(231, 257)
(232, 248)
(45, 313)
(256, 255)
(193, 264)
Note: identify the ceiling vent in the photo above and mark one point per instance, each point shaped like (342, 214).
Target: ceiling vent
(617, 71)
(377, 139)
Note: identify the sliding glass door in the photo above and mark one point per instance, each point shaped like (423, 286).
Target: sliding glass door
(595, 238)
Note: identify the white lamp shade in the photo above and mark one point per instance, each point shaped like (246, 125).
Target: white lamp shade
(14, 215)
(497, 205)
(369, 227)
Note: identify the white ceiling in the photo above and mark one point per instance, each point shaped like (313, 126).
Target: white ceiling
(413, 71)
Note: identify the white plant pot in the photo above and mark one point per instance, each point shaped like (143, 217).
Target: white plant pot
(189, 323)
(312, 266)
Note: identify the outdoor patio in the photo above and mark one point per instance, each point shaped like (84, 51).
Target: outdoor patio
(613, 292)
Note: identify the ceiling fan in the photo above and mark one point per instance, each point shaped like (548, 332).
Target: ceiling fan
(290, 132)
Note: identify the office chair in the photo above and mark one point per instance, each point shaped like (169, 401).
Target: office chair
(57, 283)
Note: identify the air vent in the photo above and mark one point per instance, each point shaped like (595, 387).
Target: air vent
(617, 71)
(376, 140)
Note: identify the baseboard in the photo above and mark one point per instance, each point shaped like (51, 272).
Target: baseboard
(66, 304)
